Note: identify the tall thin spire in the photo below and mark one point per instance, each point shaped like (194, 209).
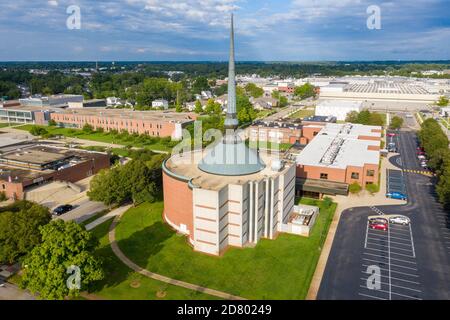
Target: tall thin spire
(231, 121)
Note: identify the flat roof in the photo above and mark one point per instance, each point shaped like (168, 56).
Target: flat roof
(186, 167)
(340, 104)
(130, 114)
(42, 154)
(338, 146)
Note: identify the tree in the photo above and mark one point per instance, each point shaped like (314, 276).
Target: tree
(198, 107)
(396, 122)
(135, 181)
(305, 91)
(178, 108)
(443, 186)
(64, 245)
(443, 101)
(19, 229)
(352, 117)
(213, 107)
(51, 123)
(200, 84)
(372, 188)
(3, 196)
(245, 111)
(253, 90)
(283, 101)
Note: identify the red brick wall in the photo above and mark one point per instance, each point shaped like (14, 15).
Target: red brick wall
(12, 190)
(72, 174)
(152, 128)
(178, 202)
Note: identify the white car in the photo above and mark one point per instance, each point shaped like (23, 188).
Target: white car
(400, 220)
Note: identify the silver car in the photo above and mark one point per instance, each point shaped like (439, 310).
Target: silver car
(400, 220)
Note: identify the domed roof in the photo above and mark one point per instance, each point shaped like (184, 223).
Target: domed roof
(231, 159)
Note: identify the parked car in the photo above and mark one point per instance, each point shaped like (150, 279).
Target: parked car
(420, 153)
(396, 195)
(421, 157)
(391, 134)
(378, 226)
(62, 209)
(400, 220)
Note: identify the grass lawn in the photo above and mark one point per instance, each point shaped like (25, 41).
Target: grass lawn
(274, 269)
(302, 114)
(269, 145)
(5, 124)
(122, 283)
(97, 136)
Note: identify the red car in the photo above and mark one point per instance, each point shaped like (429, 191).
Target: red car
(391, 134)
(420, 153)
(378, 226)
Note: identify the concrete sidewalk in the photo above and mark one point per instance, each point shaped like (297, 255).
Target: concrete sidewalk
(116, 212)
(364, 199)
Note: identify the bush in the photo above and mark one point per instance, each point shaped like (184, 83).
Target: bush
(327, 202)
(372, 188)
(51, 123)
(3, 196)
(38, 131)
(354, 188)
(87, 128)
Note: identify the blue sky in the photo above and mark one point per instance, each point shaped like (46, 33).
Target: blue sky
(294, 30)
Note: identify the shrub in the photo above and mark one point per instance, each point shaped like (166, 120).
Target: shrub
(38, 131)
(327, 202)
(372, 188)
(3, 196)
(354, 188)
(87, 128)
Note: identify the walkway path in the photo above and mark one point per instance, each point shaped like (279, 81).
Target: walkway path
(346, 202)
(144, 272)
(116, 212)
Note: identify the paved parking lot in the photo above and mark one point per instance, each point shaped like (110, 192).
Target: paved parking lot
(392, 252)
(414, 263)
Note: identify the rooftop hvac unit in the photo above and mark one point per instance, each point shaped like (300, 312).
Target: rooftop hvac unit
(332, 151)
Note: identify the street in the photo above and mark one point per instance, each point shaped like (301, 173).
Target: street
(414, 263)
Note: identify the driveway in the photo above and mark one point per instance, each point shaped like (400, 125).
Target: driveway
(11, 292)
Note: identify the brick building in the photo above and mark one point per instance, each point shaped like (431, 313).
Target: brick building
(153, 123)
(33, 164)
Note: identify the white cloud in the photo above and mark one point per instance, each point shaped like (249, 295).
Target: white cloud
(52, 3)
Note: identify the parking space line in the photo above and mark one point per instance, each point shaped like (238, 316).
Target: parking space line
(395, 271)
(397, 279)
(412, 241)
(399, 254)
(389, 264)
(369, 296)
(406, 288)
(406, 261)
(381, 235)
(394, 242)
(395, 293)
(394, 265)
(367, 231)
(383, 245)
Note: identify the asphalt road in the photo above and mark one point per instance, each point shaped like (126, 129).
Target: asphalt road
(10, 292)
(414, 263)
(84, 209)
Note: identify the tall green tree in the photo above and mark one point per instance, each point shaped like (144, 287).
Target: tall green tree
(253, 90)
(19, 229)
(47, 269)
(305, 91)
(198, 107)
(396, 122)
